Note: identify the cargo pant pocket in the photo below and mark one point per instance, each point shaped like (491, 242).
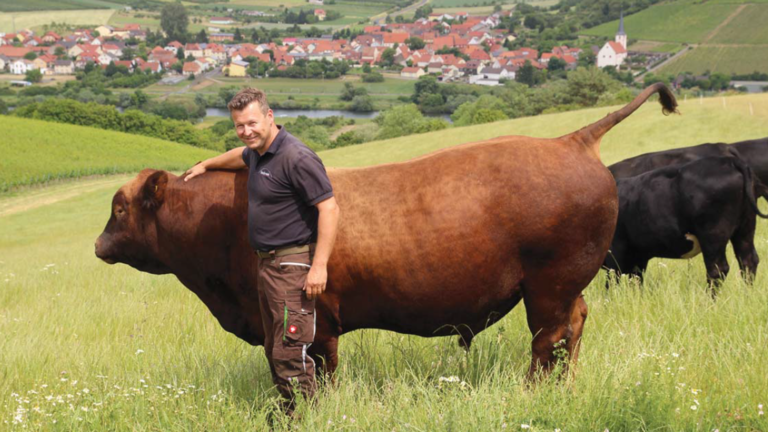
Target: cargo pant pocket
(298, 322)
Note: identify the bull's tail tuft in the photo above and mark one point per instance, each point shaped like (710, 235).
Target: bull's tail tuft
(592, 134)
(667, 100)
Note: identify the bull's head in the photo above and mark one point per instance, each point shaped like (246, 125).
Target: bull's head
(130, 236)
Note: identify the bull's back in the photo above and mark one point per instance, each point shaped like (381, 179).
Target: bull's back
(462, 228)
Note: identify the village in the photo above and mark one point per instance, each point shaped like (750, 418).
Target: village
(453, 47)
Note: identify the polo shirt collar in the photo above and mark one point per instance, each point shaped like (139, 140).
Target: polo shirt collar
(275, 146)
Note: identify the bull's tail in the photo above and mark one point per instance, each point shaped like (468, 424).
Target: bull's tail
(751, 183)
(591, 135)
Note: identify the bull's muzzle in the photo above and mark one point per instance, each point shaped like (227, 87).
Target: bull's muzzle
(101, 246)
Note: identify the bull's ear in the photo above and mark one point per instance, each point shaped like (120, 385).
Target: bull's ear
(153, 192)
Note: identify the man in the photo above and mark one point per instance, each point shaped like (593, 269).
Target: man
(292, 221)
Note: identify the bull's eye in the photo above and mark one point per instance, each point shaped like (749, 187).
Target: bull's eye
(119, 211)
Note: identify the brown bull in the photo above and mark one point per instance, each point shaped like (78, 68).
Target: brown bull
(443, 244)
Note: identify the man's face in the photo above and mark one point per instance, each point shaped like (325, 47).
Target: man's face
(253, 127)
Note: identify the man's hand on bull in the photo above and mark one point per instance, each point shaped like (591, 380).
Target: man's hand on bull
(194, 172)
(316, 279)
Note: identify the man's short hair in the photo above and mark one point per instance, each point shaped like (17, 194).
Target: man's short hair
(247, 96)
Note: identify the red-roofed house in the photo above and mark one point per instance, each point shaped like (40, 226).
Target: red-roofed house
(191, 68)
(320, 14)
(51, 37)
(390, 39)
(14, 53)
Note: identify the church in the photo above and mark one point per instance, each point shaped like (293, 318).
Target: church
(613, 53)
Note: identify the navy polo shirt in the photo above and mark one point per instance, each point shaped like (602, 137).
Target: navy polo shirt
(284, 184)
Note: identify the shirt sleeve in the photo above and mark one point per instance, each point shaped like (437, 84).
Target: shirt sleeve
(247, 156)
(310, 179)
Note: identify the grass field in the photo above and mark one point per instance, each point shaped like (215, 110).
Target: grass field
(680, 21)
(748, 27)
(87, 346)
(725, 59)
(49, 5)
(36, 152)
(34, 19)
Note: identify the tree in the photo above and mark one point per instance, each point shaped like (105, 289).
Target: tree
(349, 92)
(529, 75)
(139, 99)
(426, 84)
(174, 21)
(373, 77)
(202, 37)
(586, 85)
(4, 109)
(238, 36)
(415, 43)
(556, 64)
(34, 76)
(587, 58)
(30, 55)
(59, 52)
(361, 104)
(180, 54)
(366, 68)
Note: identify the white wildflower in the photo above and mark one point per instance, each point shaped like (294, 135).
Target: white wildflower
(139, 351)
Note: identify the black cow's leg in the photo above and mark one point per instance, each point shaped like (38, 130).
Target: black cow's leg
(325, 354)
(556, 329)
(716, 263)
(743, 241)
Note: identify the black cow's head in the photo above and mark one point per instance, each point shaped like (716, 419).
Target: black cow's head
(130, 236)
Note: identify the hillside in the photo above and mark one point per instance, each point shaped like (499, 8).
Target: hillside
(727, 36)
(705, 120)
(36, 152)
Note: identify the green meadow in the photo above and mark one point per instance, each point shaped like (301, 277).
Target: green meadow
(37, 152)
(21, 20)
(724, 59)
(88, 346)
(681, 21)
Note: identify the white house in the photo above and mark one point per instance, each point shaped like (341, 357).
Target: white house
(613, 53)
(21, 66)
(490, 76)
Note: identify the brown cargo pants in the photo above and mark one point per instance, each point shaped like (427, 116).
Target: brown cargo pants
(289, 322)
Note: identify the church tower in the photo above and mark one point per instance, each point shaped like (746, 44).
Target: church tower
(621, 36)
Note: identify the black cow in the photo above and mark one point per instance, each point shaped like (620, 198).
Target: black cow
(754, 152)
(681, 210)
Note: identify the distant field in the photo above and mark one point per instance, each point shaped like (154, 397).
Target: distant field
(34, 19)
(681, 21)
(44, 5)
(467, 3)
(748, 27)
(655, 46)
(287, 86)
(720, 59)
(37, 152)
(148, 21)
(479, 10)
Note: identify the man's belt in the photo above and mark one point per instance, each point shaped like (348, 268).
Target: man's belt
(290, 250)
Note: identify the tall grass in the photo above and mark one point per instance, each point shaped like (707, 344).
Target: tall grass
(87, 346)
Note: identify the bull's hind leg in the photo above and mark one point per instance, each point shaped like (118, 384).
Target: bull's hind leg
(743, 241)
(556, 325)
(716, 263)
